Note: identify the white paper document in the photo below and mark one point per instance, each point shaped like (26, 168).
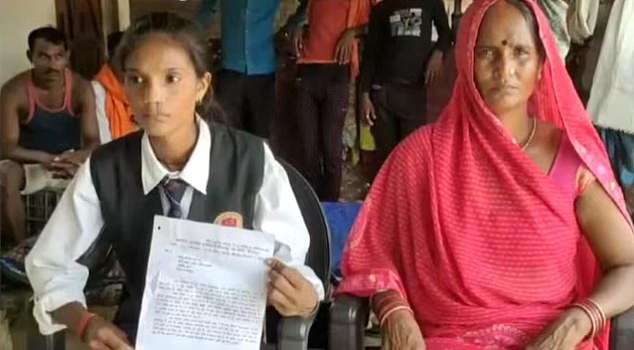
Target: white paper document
(205, 287)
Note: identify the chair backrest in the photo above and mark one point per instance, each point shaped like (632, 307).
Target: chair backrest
(318, 257)
(341, 217)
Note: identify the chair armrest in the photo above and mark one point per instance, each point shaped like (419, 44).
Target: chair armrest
(36, 340)
(292, 333)
(348, 318)
(622, 337)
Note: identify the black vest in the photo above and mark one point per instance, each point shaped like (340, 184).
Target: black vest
(50, 131)
(235, 177)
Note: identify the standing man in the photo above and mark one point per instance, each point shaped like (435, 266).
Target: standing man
(245, 87)
(399, 61)
(570, 21)
(48, 126)
(328, 60)
(610, 104)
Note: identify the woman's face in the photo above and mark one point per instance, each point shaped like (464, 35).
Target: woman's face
(162, 85)
(507, 59)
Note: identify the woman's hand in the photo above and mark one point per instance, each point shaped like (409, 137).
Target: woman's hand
(103, 335)
(400, 331)
(289, 292)
(565, 333)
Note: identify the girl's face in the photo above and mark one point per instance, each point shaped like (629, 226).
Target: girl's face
(162, 85)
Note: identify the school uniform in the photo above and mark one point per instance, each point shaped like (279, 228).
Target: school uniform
(231, 178)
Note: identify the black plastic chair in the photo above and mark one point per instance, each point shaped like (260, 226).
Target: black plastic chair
(349, 316)
(289, 333)
(293, 332)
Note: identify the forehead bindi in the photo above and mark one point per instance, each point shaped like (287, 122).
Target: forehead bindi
(504, 27)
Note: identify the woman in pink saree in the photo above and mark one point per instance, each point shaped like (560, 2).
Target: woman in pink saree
(501, 226)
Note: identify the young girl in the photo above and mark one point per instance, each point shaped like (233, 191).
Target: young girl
(179, 165)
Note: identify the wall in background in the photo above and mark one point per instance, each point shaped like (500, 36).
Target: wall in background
(17, 19)
(110, 11)
(123, 7)
(185, 8)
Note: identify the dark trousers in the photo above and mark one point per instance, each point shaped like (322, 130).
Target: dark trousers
(322, 102)
(248, 100)
(400, 109)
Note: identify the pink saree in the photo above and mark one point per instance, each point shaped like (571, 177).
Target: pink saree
(484, 246)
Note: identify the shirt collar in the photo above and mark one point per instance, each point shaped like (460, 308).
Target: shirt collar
(195, 172)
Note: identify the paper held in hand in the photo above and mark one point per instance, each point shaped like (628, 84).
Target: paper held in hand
(205, 287)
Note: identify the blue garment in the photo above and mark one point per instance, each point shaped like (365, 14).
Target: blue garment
(340, 217)
(620, 147)
(247, 32)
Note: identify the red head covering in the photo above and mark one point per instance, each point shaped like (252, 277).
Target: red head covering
(483, 244)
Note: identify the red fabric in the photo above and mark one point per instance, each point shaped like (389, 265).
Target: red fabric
(118, 109)
(485, 247)
(328, 20)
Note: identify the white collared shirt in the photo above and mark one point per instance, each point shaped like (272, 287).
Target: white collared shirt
(102, 118)
(57, 279)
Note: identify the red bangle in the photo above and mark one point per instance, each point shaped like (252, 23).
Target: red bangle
(390, 297)
(593, 320)
(600, 313)
(389, 312)
(380, 312)
(378, 304)
(83, 324)
(595, 313)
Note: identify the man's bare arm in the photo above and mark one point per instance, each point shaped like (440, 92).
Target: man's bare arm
(10, 128)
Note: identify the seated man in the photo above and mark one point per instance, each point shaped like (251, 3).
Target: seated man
(114, 114)
(48, 126)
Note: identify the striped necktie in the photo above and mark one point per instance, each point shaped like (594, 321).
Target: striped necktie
(174, 190)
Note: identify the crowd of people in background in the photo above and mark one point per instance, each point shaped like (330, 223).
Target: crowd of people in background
(392, 53)
(397, 50)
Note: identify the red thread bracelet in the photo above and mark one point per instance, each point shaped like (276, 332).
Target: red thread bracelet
(83, 324)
